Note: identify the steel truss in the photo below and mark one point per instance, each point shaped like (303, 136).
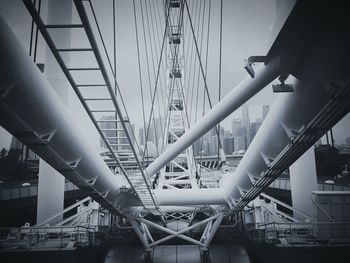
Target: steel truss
(141, 225)
(177, 122)
(185, 217)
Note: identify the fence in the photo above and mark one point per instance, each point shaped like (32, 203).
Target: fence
(48, 237)
(18, 192)
(302, 233)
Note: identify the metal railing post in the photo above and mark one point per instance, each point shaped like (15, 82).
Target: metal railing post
(61, 237)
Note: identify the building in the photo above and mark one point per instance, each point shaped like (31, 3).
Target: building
(236, 127)
(228, 145)
(265, 111)
(254, 127)
(213, 145)
(142, 136)
(246, 125)
(239, 144)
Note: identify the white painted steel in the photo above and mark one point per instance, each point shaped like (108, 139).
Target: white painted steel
(290, 112)
(232, 101)
(51, 183)
(181, 209)
(210, 235)
(303, 180)
(32, 100)
(189, 197)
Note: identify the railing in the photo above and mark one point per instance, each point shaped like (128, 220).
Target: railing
(284, 184)
(302, 233)
(48, 237)
(18, 192)
(211, 179)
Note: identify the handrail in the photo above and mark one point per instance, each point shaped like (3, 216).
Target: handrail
(285, 205)
(64, 211)
(89, 32)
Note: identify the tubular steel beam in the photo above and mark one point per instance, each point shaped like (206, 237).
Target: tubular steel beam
(320, 115)
(33, 113)
(212, 231)
(40, 24)
(232, 101)
(173, 234)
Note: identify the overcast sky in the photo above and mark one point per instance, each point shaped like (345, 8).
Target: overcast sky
(249, 28)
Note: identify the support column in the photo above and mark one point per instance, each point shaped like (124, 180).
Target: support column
(51, 182)
(140, 234)
(212, 231)
(303, 180)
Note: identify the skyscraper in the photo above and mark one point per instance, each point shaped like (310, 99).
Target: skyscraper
(254, 127)
(239, 143)
(213, 145)
(236, 127)
(228, 145)
(142, 136)
(107, 123)
(245, 125)
(265, 111)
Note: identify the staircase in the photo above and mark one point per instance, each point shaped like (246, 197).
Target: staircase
(115, 129)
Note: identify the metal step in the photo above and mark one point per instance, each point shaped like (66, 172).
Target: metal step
(65, 26)
(74, 49)
(83, 69)
(137, 180)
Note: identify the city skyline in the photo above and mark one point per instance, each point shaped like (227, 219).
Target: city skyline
(236, 138)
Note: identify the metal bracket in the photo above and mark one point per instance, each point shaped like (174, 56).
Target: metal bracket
(242, 191)
(32, 138)
(292, 133)
(249, 62)
(70, 166)
(104, 194)
(268, 160)
(92, 181)
(253, 178)
(283, 87)
(75, 164)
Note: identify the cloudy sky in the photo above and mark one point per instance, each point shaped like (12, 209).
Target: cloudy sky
(248, 28)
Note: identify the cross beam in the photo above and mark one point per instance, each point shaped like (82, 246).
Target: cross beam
(140, 225)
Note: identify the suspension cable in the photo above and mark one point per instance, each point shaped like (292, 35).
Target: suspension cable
(160, 19)
(31, 34)
(155, 55)
(202, 70)
(195, 63)
(198, 76)
(157, 77)
(153, 66)
(140, 78)
(36, 35)
(149, 81)
(116, 83)
(115, 67)
(206, 68)
(191, 67)
(220, 64)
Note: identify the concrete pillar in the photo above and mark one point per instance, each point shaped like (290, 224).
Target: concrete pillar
(303, 180)
(51, 182)
(50, 193)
